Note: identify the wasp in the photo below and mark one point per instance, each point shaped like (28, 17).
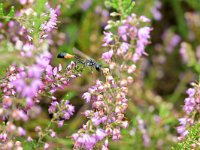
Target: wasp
(88, 62)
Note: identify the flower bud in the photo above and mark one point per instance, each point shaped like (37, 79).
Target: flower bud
(131, 69)
(125, 124)
(108, 130)
(112, 65)
(123, 82)
(130, 80)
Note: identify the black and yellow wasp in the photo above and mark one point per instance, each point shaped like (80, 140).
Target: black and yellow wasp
(87, 62)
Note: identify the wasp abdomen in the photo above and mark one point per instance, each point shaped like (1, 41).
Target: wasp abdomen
(65, 55)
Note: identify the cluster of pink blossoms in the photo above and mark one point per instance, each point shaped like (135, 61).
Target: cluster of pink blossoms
(51, 23)
(191, 109)
(109, 98)
(129, 31)
(24, 88)
(109, 103)
(31, 82)
(61, 111)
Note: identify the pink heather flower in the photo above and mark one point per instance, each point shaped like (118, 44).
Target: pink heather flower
(107, 38)
(65, 110)
(144, 19)
(31, 90)
(125, 124)
(100, 133)
(125, 47)
(143, 36)
(107, 55)
(183, 52)
(69, 107)
(86, 4)
(44, 59)
(7, 102)
(3, 137)
(46, 146)
(96, 121)
(19, 114)
(155, 11)
(49, 70)
(87, 96)
(29, 102)
(55, 71)
(116, 134)
(53, 106)
(182, 131)
(182, 121)
(21, 131)
(29, 139)
(23, 2)
(59, 67)
(85, 141)
(27, 89)
(53, 134)
(122, 31)
(35, 71)
(173, 41)
(189, 105)
(66, 115)
(147, 140)
(191, 92)
(1, 25)
(28, 47)
(60, 123)
(51, 23)
(156, 14)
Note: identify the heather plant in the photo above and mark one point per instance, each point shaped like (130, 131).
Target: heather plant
(27, 82)
(148, 57)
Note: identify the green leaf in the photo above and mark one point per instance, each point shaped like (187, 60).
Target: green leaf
(194, 4)
(9, 16)
(1, 10)
(69, 95)
(124, 7)
(12, 12)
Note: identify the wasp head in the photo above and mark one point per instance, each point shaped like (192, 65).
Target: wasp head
(98, 67)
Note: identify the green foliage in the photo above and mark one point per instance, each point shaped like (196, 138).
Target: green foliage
(124, 7)
(191, 139)
(1, 10)
(9, 16)
(29, 145)
(39, 8)
(194, 4)
(180, 18)
(143, 7)
(70, 95)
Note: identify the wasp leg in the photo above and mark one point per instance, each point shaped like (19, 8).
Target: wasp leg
(92, 69)
(76, 66)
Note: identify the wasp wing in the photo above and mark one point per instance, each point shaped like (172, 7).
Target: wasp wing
(79, 53)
